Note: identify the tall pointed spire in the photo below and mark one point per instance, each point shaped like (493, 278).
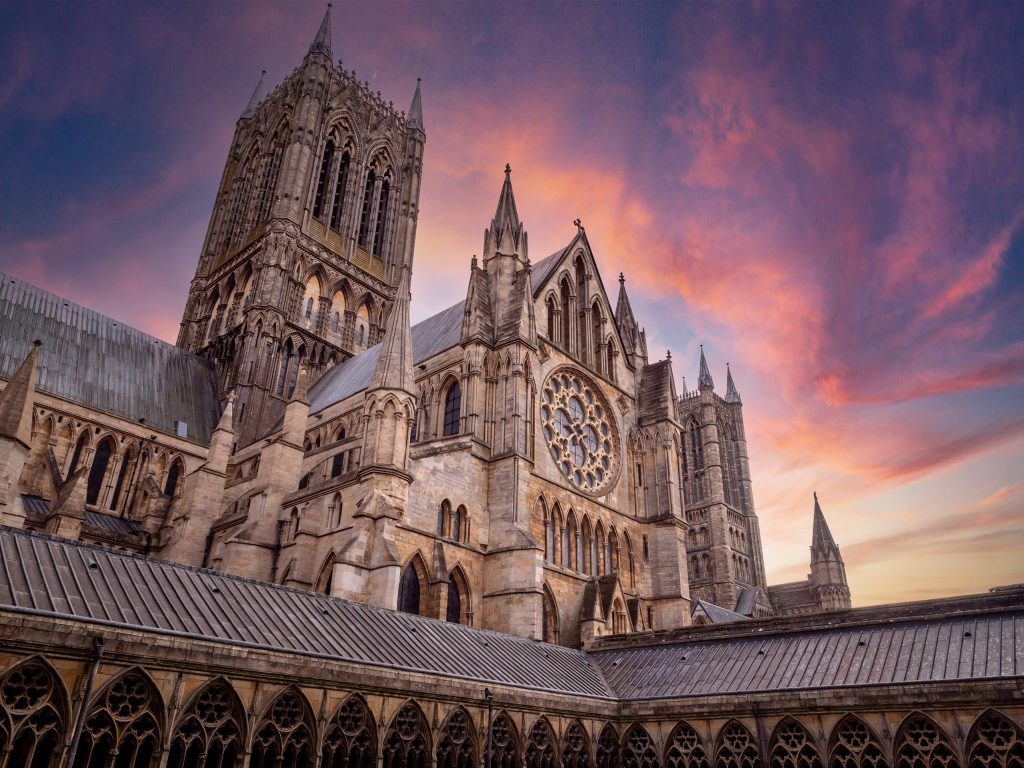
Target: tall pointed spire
(322, 41)
(394, 362)
(822, 543)
(257, 95)
(415, 117)
(16, 400)
(506, 234)
(732, 395)
(704, 380)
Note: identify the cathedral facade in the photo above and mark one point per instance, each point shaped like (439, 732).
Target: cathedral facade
(314, 535)
(516, 462)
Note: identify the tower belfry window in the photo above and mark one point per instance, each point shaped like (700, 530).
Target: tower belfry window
(364, 217)
(340, 184)
(321, 184)
(382, 210)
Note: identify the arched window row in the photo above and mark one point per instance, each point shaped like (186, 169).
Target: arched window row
(453, 522)
(566, 309)
(585, 547)
(126, 719)
(115, 468)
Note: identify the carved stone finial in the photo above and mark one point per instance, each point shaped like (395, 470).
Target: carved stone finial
(508, 169)
(622, 279)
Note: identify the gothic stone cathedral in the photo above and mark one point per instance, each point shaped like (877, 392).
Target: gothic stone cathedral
(515, 463)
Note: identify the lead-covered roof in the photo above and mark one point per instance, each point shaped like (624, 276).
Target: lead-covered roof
(96, 361)
(45, 575)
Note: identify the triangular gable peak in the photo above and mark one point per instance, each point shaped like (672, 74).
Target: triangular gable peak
(548, 273)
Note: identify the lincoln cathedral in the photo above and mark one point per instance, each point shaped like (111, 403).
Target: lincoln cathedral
(313, 534)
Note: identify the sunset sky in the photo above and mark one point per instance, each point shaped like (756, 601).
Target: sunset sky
(828, 196)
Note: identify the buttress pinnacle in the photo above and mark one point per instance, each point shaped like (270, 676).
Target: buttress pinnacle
(732, 395)
(415, 117)
(704, 380)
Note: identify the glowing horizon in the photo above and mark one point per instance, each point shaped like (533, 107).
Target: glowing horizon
(829, 197)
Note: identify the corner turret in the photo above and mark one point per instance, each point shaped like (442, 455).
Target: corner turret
(828, 572)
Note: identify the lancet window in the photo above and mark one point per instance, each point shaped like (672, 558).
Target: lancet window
(284, 737)
(322, 180)
(367, 210)
(340, 185)
(409, 591)
(122, 722)
(686, 749)
(456, 747)
(98, 471)
(211, 728)
(576, 747)
(405, 744)
(608, 754)
(540, 748)
(638, 749)
(351, 740)
(452, 409)
(382, 215)
(792, 747)
(854, 746)
(921, 743)
(32, 720)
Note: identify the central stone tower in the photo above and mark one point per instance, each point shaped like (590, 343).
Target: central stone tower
(313, 225)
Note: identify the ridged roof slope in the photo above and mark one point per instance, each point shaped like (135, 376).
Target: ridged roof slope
(51, 576)
(429, 337)
(99, 362)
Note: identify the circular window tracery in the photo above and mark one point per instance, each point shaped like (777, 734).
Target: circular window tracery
(580, 431)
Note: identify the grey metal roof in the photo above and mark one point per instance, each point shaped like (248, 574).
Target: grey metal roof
(542, 269)
(46, 575)
(429, 337)
(946, 649)
(101, 363)
(111, 523)
(717, 613)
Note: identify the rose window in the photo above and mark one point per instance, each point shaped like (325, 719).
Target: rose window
(579, 431)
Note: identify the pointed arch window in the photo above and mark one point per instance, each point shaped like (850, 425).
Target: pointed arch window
(123, 721)
(855, 746)
(382, 215)
(409, 591)
(454, 610)
(321, 183)
(736, 747)
(921, 742)
(549, 618)
(995, 741)
(452, 409)
(540, 748)
(173, 476)
(367, 210)
(405, 744)
(566, 296)
(98, 471)
(284, 736)
(351, 740)
(792, 747)
(576, 747)
(608, 754)
(686, 749)
(455, 747)
(340, 185)
(83, 440)
(211, 727)
(32, 716)
(504, 746)
(273, 170)
(638, 749)
(122, 473)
